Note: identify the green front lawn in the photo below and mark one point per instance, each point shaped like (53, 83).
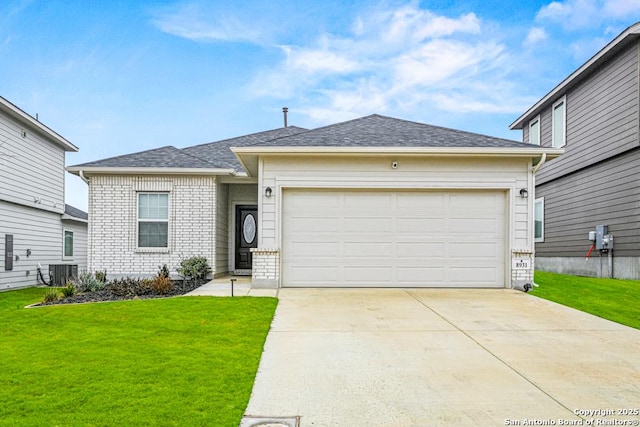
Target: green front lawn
(188, 361)
(611, 299)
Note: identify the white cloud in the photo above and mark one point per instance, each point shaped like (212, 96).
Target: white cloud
(583, 14)
(399, 59)
(621, 8)
(535, 35)
(192, 22)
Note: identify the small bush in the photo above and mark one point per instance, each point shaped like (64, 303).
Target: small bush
(51, 295)
(87, 282)
(163, 271)
(69, 290)
(101, 276)
(162, 285)
(128, 287)
(195, 268)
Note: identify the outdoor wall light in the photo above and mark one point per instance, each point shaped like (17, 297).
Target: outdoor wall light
(268, 191)
(524, 193)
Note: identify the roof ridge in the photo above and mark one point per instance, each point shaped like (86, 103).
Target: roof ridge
(242, 136)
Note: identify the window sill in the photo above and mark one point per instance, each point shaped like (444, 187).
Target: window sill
(152, 250)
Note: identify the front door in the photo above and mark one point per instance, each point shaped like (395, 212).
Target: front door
(246, 235)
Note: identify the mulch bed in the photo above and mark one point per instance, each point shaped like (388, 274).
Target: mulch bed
(106, 294)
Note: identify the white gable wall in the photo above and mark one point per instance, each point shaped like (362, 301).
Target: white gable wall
(376, 172)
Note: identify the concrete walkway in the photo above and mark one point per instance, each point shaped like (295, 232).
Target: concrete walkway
(383, 357)
(221, 287)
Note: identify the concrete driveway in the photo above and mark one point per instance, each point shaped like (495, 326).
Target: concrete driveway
(435, 357)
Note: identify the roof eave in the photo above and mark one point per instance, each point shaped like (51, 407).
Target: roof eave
(97, 170)
(248, 156)
(68, 217)
(26, 119)
(601, 55)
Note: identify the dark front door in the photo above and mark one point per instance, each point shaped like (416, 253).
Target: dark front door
(246, 235)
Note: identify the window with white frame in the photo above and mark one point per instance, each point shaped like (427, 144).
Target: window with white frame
(153, 220)
(68, 244)
(559, 123)
(534, 131)
(538, 218)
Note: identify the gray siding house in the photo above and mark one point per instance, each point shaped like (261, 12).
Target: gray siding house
(37, 228)
(594, 115)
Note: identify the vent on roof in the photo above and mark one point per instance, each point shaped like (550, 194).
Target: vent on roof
(285, 110)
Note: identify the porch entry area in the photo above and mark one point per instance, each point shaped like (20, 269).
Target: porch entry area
(246, 237)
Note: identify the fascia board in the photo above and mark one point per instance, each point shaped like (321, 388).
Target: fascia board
(89, 170)
(24, 118)
(248, 156)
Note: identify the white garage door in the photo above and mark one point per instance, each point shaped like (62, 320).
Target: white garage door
(393, 239)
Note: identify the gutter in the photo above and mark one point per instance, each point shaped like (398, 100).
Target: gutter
(543, 159)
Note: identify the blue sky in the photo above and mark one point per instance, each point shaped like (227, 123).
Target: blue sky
(116, 77)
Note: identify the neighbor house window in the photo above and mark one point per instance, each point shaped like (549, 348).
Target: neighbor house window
(153, 220)
(534, 131)
(559, 123)
(538, 218)
(68, 243)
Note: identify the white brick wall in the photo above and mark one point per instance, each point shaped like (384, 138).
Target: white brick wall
(112, 231)
(266, 267)
(522, 275)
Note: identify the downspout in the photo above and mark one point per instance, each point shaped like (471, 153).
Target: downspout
(82, 177)
(540, 163)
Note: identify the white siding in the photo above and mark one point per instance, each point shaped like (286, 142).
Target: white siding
(507, 175)
(222, 228)
(42, 232)
(113, 232)
(30, 168)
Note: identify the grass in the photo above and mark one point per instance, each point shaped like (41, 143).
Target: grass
(174, 361)
(610, 299)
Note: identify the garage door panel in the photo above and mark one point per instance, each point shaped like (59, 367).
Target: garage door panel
(360, 224)
(420, 200)
(367, 250)
(470, 275)
(362, 275)
(475, 250)
(421, 249)
(364, 200)
(303, 249)
(318, 224)
(393, 239)
(420, 275)
(419, 225)
(474, 226)
(316, 274)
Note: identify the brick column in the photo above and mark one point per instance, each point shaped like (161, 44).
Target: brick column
(521, 267)
(266, 268)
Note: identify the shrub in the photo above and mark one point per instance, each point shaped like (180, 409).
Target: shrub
(163, 271)
(51, 295)
(195, 268)
(101, 276)
(69, 290)
(128, 287)
(162, 285)
(88, 283)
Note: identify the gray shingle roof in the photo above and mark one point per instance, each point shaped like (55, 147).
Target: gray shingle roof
(219, 154)
(381, 131)
(75, 212)
(163, 157)
(370, 131)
